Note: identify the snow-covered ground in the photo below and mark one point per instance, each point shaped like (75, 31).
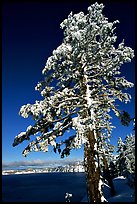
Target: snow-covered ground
(124, 193)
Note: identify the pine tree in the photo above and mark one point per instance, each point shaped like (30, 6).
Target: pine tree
(130, 158)
(126, 158)
(130, 152)
(121, 164)
(113, 169)
(82, 82)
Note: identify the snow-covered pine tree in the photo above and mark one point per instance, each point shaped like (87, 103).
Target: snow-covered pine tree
(113, 169)
(126, 158)
(130, 158)
(121, 164)
(130, 152)
(82, 83)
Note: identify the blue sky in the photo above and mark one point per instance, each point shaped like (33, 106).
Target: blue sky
(30, 32)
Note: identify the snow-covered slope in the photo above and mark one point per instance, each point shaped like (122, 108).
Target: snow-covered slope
(124, 193)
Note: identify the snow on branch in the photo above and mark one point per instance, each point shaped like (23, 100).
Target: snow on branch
(82, 82)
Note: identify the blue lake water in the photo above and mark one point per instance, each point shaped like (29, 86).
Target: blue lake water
(43, 187)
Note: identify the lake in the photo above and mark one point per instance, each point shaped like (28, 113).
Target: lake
(43, 187)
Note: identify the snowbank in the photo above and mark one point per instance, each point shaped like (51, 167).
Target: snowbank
(124, 193)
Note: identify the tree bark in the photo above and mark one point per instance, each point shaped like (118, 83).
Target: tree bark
(92, 172)
(91, 160)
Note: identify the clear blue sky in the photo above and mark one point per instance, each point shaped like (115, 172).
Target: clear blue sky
(30, 32)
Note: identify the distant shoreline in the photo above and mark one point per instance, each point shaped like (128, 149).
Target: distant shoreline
(68, 168)
(11, 174)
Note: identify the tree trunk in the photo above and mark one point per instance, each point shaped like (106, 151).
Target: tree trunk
(91, 160)
(92, 172)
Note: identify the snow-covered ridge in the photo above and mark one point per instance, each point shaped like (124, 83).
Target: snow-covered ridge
(76, 167)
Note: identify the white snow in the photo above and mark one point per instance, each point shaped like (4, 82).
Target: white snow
(124, 193)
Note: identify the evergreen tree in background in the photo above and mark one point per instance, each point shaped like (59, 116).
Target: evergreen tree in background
(113, 169)
(130, 158)
(121, 159)
(130, 152)
(126, 158)
(82, 82)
